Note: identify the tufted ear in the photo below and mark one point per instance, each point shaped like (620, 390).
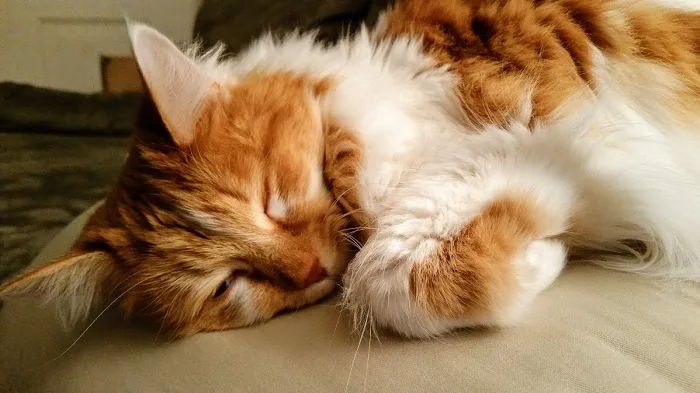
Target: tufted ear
(76, 282)
(176, 84)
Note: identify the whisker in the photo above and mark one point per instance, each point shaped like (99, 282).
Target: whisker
(92, 323)
(337, 323)
(360, 228)
(362, 335)
(337, 199)
(354, 242)
(369, 347)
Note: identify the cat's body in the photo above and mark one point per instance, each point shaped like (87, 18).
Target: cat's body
(477, 145)
(469, 204)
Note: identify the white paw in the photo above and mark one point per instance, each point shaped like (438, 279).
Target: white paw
(377, 289)
(542, 263)
(536, 269)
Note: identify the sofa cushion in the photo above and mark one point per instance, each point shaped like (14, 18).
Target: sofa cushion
(594, 330)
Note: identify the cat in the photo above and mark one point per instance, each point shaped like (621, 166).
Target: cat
(442, 167)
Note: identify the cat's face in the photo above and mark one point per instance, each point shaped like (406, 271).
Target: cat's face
(221, 217)
(238, 224)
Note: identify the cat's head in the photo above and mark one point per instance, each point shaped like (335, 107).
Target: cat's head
(221, 217)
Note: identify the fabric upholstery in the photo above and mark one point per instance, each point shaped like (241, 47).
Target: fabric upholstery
(593, 331)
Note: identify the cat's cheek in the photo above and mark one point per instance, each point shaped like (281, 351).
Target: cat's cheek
(245, 298)
(258, 301)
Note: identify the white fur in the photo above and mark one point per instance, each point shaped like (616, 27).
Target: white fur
(276, 207)
(202, 219)
(316, 186)
(450, 185)
(75, 287)
(242, 295)
(681, 4)
(620, 169)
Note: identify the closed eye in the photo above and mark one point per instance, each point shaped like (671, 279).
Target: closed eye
(223, 287)
(228, 282)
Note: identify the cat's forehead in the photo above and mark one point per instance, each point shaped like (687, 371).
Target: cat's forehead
(268, 130)
(256, 162)
(257, 104)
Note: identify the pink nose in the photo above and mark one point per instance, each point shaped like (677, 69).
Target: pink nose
(316, 274)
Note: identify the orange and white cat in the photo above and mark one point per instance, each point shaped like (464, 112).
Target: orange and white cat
(475, 147)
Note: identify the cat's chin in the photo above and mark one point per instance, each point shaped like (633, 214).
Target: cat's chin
(255, 314)
(320, 290)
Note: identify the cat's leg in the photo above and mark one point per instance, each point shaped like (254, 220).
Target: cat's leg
(434, 264)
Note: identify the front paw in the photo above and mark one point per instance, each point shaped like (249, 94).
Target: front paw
(487, 274)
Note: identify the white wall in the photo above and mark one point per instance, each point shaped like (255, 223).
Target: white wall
(59, 43)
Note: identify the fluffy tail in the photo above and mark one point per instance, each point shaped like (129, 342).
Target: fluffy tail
(638, 190)
(646, 220)
(640, 201)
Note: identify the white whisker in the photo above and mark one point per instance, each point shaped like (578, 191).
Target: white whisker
(362, 335)
(92, 323)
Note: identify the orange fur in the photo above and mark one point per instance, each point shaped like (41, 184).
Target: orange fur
(183, 218)
(472, 273)
(189, 212)
(503, 50)
(343, 160)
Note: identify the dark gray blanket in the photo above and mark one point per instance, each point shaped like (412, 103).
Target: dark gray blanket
(237, 22)
(30, 109)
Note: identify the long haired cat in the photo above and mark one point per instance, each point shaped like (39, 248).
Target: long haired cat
(475, 147)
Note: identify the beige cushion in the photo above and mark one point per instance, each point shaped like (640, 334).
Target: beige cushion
(594, 330)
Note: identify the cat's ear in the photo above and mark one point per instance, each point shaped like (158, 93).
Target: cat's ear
(176, 84)
(76, 282)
